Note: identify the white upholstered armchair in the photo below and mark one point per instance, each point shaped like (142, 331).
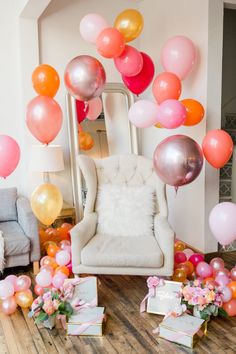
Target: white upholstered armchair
(125, 228)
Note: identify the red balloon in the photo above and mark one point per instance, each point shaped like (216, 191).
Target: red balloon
(217, 147)
(138, 83)
(230, 307)
(196, 258)
(166, 86)
(81, 110)
(180, 257)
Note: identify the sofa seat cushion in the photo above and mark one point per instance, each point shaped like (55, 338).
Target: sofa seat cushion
(15, 241)
(8, 198)
(110, 251)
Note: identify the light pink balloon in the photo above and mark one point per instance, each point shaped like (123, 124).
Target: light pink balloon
(47, 268)
(23, 282)
(44, 118)
(63, 257)
(9, 155)
(9, 305)
(226, 294)
(44, 279)
(217, 264)
(222, 221)
(6, 289)
(130, 62)
(143, 114)
(178, 56)
(91, 26)
(222, 279)
(171, 114)
(12, 279)
(58, 280)
(188, 252)
(64, 243)
(223, 271)
(94, 108)
(203, 270)
(233, 273)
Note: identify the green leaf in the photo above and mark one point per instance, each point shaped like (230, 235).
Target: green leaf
(222, 313)
(41, 317)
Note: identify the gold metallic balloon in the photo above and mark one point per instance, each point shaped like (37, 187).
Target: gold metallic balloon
(24, 298)
(129, 23)
(46, 202)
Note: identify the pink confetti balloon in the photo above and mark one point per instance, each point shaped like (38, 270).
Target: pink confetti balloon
(23, 282)
(233, 273)
(222, 279)
(188, 252)
(226, 294)
(9, 305)
(203, 270)
(217, 264)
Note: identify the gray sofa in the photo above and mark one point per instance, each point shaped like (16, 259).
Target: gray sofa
(20, 229)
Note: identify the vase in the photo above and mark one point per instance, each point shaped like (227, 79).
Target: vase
(49, 323)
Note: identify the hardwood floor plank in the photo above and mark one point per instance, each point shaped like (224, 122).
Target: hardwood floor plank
(8, 330)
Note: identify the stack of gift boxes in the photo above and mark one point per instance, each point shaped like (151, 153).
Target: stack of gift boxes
(88, 318)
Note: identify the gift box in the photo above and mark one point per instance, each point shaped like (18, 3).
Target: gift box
(185, 329)
(87, 322)
(83, 289)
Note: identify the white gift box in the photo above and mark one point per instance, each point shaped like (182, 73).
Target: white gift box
(185, 329)
(85, 290)
(165, 298)
(87, 322)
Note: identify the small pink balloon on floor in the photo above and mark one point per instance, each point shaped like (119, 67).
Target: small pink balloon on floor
(23, 282)
(6, 289)
(9, 155)
(12, 279)
(8, 305)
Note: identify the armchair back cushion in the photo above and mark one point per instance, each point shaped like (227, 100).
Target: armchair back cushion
(8, 197)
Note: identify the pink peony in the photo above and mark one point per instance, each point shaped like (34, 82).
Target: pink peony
(153, 282)
(48, 307)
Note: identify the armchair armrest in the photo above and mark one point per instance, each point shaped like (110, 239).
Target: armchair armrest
(165, 238)
(81, 234)
(29, 224)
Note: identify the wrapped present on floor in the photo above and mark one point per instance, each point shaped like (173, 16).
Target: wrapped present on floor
(87, 322)
(185, 329)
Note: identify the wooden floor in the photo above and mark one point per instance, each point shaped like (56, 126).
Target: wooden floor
(127, 331)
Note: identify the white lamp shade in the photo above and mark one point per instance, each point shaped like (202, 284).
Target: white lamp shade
(46, 158)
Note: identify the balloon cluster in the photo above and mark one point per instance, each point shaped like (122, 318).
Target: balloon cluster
(55, 266)
(54, 234)
(190, 265)
(15, 291)
(44, 121)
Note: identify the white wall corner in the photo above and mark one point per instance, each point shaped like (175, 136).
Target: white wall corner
(32, 8)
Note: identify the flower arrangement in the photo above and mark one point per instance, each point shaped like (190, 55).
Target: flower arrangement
(202, 300)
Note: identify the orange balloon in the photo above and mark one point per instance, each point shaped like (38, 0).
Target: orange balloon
(179, 275)
(62, 232)
(230, 307)
(187, 267)
(110, 43)
(195, 111)
(52, 250)
(208, 280)
(190, 267)
(217, 147)
(86, 142)
(62, 269)
(166, 86)
(24, 298)
(179, 246)
(45, 80)
(50, 261)
(232, 286)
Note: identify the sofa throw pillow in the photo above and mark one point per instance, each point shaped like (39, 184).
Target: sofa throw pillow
(8, 198)
(125, 211)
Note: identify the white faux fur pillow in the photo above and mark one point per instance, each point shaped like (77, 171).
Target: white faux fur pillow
(125, 211)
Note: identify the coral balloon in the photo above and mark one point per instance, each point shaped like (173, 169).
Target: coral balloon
(179, 246)
(52, 250)
(94, 108)
(62, 269)
(217, 147)
(196, 258)
(179, 275)
(204, 270)
(222, 222)
(45, 80)
(91, 26)
(217, 264)
(84, 77)
(232, 286)
(188, 252)
(130, 62)
(233, 273)
(44, 118)
(110, 43)
(190, 267)
(226, 294)
(86, 141)
(46, 203)
(81, 110)
(58, 280)
(38, 290)
(130, 23)
(171, 114)
(9, 155)
(222, 280)
(139, 83)
(63, 257)
(23, 282)
(24, 298)
(178, 160)
(6, 289)
(12, 279)
(180, 257)
(143, 113)
(178, 56)
(49, 261)
(195, 111)
(166, 86)
(43, 279)
(230, 307)
(8, 305)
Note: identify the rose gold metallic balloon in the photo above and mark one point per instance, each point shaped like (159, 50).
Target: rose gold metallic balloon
(9, 305)
(84, 77)
(178, 160)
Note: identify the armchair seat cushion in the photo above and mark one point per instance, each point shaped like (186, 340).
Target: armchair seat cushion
(120, 251)
(15, 241)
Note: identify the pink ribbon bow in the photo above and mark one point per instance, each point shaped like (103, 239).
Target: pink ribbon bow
(152, 283)
(83, 327)
(78, 304)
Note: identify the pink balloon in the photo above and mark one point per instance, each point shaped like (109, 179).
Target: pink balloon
(58, 280)
(233, 273)
(12, 279)
(188, 252)
(44, 118)
(217, 264)
(196, 258)
(9, 305)
(94, 108)
(63, 257)
(223, 271)
(38, 290)
(178, 56)
(64, 243)
(226, 294)
(23, 282)
(204, 270)
(9, 155)
(91, 26)
(69, 266)
(130, 62)
(180, 257)
(171, 114)
(143, 113)
(6, 289)
(222, 221)
(81, 110)
(43, 279)
(47, 268)
(140, 82)
(222, 279)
